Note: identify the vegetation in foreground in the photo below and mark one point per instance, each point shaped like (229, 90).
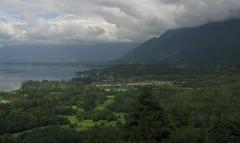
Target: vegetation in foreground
(194, 107)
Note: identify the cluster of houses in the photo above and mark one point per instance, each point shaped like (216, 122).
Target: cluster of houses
(109, 83)
(123, 87)
(118, 84)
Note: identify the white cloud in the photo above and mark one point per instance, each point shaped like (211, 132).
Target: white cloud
(73, 28)
(12, 31)
(62, 21)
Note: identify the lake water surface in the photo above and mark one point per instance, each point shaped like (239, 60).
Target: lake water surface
(12, 75)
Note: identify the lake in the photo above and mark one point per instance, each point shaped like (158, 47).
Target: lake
(12, 75)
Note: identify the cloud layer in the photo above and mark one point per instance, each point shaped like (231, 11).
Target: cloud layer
(87, 21)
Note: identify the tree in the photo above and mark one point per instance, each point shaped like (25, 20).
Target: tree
(147, 123)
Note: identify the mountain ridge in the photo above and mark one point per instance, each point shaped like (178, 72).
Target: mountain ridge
(215, 43)
(41, 53)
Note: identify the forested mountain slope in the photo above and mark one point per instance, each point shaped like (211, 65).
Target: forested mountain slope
(213, 44)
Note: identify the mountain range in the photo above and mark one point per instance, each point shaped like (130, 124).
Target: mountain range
(43, 53)
(216, 43)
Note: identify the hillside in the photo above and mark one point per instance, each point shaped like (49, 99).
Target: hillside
(211, 44)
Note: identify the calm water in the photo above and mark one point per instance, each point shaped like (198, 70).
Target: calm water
(11, 76)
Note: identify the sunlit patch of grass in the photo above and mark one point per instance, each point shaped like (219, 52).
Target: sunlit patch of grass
(79, 125)
(121, 117)
(109, 101)
(72, 119)
(85, 124)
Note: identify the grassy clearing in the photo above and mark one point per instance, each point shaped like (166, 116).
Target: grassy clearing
(72, 119)
(80, 125)
(121, 117)
(109, 101)
(86, 124)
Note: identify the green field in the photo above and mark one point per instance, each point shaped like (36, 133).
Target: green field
(80, 125)
(109, 101)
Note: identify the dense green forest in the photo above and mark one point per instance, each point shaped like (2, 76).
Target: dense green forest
(199, 105)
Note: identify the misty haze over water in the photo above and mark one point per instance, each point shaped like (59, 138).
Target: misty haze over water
(12, 75)
(52, 62)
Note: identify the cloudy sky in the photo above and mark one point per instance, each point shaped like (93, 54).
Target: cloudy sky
(88, 21)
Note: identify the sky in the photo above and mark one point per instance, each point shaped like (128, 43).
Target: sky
(105, 21)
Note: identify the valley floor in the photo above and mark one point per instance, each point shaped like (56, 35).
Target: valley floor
(172, 108)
